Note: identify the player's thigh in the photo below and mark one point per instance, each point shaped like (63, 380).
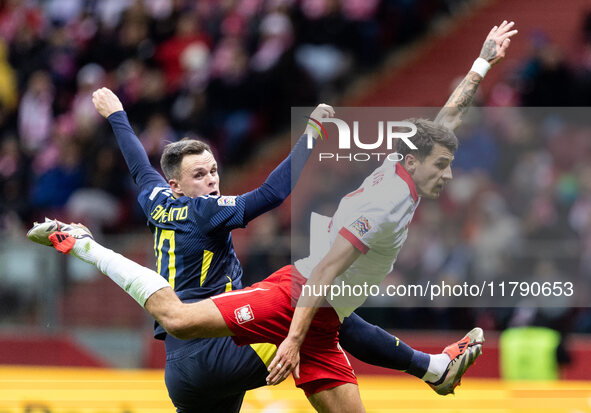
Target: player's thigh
(341, 399)
(186, 320)
(208, 371)
(202, 319)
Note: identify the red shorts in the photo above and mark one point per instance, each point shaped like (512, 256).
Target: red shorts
(263, 312)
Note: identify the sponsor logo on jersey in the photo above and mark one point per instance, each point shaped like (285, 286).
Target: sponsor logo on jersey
(227, 201)
(377, 178)
(361, 226)
(244, 314)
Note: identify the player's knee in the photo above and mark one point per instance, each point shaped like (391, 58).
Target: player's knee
(181, 327)
(195, 320)
(185, 326)
(176, 322)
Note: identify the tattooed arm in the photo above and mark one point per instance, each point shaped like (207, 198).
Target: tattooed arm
(493, 51)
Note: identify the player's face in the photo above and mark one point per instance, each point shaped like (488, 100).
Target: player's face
(199, 176)
(431, 175)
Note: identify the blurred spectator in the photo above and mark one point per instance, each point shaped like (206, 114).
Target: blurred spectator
(547, 80)
(13, 178)
(151, 99)
(184, 50)
(156, 136)
(35, 118)
(52, 189)
(496, 236)
(270, 251)
(85, 116)
(324, 33)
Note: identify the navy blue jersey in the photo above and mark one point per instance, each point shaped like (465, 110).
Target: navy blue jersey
(192, 241)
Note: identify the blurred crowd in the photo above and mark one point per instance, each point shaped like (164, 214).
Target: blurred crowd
(551, 75)
(225, 71)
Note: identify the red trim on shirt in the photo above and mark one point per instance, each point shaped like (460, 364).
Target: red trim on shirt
(360, 190)
(401, 172)
(348, 235)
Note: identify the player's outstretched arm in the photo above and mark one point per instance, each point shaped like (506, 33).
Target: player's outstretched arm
(493, 50)
(340, 257)
(282, 180)
(109, 106)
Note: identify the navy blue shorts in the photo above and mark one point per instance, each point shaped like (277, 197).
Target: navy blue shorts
(212, 375)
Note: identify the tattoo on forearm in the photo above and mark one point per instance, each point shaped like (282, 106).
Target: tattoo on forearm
(461, 98)
(463, 95)
(489, 50)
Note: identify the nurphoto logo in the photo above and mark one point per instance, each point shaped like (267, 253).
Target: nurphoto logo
(387, 132)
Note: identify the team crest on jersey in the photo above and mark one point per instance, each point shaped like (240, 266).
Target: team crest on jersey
(244, 314)
(227, 201)
(361, 226)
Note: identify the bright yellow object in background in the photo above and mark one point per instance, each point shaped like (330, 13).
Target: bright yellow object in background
(529, 353)
(74, 390)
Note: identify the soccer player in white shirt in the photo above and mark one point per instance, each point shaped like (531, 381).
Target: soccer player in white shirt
(368, 230)
(372, 221)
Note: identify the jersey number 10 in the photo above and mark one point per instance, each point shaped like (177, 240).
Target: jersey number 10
(167, 234)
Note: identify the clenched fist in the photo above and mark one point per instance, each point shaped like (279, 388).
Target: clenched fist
(106, 102)
(320, 112)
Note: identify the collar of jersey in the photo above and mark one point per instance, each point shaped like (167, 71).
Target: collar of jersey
(403, 173)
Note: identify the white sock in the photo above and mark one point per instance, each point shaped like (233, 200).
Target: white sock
(138, 281)
(437, 365)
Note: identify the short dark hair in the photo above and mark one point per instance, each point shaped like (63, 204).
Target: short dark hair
(174, 152)
(428, 134)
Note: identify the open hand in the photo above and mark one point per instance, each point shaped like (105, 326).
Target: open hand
(286, 360)
(497, 42)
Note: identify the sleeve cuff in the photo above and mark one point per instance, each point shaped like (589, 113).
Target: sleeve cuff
(115, 115)
(357, 243)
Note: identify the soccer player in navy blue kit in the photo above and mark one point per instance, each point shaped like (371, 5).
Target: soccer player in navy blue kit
(191, 223)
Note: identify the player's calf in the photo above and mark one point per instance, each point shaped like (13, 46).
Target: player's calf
(76, 240)
(147, 287)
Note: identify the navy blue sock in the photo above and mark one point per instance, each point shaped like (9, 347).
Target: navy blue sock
(373, 345)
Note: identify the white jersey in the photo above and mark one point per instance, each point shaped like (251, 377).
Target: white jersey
(374, 218)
